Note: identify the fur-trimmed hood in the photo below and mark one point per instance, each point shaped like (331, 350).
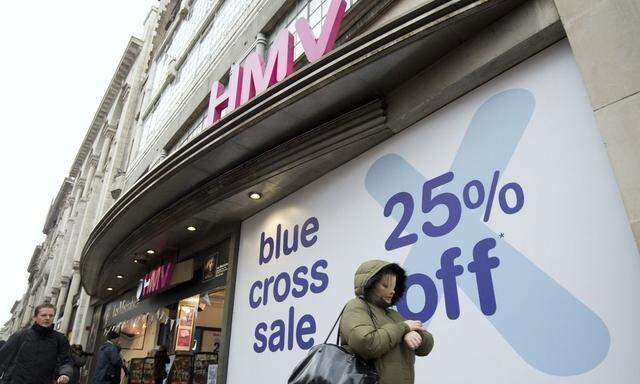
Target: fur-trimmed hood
(368, 269)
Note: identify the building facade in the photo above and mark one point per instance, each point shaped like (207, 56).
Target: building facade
(249, 154)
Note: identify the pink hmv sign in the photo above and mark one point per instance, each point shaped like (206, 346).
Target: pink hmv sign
(156, 281)
(254, 77)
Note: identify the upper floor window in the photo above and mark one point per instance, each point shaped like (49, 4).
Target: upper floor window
(314, 11)
(195, 128)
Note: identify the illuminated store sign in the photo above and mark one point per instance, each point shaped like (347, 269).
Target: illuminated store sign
(155, 281)
(253, 77)
(164, 277)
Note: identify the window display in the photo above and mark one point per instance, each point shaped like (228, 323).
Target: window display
(147, 372)
(136, 369)
(201, 364)
(186, 316)
(132, 333)
(181, 369)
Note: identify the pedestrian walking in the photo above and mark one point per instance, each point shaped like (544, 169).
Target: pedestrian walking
(161, 359)
(109, 362)
(79, 359)
(37, 354)
(377, 333)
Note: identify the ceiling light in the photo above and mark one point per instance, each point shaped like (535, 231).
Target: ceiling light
(150, 252)
(255, 196)
(121, 276)
(191, 228)
(109, 289)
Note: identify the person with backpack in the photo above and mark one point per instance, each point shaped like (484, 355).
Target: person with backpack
(109, 362)
(378, 334)
(37, 354)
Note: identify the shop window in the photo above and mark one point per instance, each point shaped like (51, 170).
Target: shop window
(165, 329)
(314, 11)
(195, 129)
(197, 333)
(132, 333)
(210, 340)
(209, 324)
(191, 328)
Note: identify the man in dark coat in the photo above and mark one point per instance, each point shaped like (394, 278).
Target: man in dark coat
(109, 362)
(38, 354)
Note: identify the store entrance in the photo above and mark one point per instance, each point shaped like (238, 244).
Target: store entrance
(191, 332)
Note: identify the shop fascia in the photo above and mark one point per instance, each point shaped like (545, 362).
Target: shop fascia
(164, 277)
(155, 281)
(253, 77)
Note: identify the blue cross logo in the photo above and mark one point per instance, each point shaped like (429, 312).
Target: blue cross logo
(552, 330)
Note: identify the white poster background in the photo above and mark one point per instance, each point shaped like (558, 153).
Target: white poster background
(573, 226)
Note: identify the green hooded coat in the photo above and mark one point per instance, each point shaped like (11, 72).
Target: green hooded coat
(383, 344)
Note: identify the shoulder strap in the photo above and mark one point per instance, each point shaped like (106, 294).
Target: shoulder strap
(334, 327)
(371, 315)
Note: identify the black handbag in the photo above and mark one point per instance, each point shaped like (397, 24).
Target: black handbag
(331, 364)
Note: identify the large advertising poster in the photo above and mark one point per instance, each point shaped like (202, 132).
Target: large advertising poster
(504, 210)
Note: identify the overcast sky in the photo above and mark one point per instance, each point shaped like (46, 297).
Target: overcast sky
(57, 60)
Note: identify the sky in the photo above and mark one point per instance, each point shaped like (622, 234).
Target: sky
(56, 63)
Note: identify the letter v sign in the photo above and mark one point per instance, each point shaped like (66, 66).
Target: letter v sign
(164, 275)
(315, 49)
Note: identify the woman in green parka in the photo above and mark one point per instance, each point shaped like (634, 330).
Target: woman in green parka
(377, 333)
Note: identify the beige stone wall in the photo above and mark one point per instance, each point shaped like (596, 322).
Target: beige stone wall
(604, 38)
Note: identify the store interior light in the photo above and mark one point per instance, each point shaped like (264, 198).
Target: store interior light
(120, 276)
(150, 251)
(191, 228)
(255, 196)
(109, 289)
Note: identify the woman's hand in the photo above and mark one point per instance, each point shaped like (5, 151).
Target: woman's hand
(412, 340)
(414, 325)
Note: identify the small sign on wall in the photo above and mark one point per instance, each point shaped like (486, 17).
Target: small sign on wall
(214, 266)
(209, 268)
